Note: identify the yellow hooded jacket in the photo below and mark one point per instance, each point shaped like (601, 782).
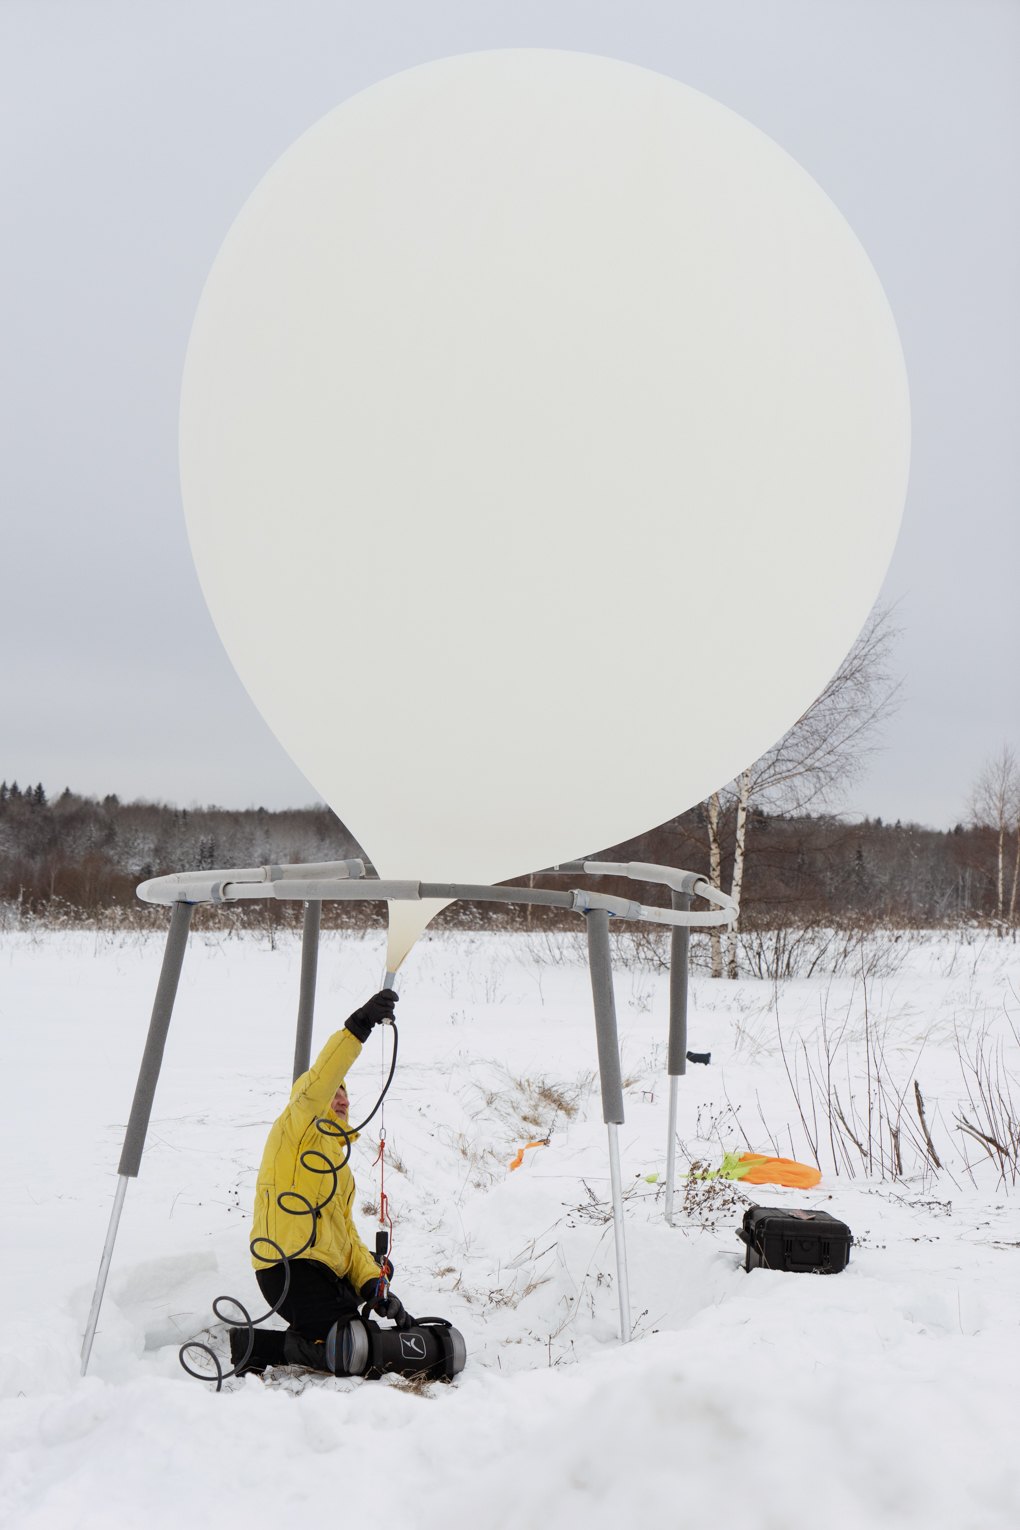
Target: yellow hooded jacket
(337, 1243)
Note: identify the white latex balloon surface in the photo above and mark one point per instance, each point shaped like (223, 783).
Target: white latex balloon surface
(544, 440)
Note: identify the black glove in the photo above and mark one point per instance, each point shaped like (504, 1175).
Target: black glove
(393, 1308)
(378, 1011)
(388, 1306)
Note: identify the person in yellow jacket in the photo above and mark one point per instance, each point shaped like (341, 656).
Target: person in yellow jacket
(307, 1215)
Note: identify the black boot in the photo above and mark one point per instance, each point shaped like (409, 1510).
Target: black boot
(311, 1353)
(267, 1349)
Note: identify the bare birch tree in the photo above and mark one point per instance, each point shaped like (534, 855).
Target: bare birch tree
(712, 818)
(819, 757)
(995, 804)
(739, 851)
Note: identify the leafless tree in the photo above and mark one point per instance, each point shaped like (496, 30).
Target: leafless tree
(818, 758)
(995, 804)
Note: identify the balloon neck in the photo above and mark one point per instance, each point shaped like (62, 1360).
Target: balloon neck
(407, 919)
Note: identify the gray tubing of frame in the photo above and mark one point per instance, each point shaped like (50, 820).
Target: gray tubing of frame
(286, 882)
(676, 1063)
(607, 1037)
(545, 897)
(606, 1034)
(159, 1024)
(679, 966)
(306, 998)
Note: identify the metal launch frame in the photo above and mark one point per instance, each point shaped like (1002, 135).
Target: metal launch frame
(314, 883)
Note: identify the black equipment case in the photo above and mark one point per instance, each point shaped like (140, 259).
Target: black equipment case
(430, 1347)
(777, 1238)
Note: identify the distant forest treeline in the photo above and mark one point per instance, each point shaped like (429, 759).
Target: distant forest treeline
(86, 854)
(80, 856)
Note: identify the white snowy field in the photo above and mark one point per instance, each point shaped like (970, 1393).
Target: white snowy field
(885, 1396)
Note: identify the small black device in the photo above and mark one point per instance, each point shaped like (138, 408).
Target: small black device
(778, 1238)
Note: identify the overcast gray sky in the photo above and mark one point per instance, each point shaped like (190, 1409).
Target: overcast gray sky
(130, 135)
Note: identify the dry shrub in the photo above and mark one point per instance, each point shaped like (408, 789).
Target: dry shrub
(708, 1199)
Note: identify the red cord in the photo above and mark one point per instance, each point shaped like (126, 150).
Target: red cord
(385, 1220)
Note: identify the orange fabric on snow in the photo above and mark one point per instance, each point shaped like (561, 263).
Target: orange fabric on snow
(776, 1171)
(542, 1142)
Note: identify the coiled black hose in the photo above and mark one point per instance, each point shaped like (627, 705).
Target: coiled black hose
(304, 1208)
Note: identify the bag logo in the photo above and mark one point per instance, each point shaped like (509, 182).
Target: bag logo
(412, 1346)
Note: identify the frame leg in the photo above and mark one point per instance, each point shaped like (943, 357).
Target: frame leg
(141, 1106)
(306, 1000)
(104, 1270)
(676, 1061)
(607, 1038)
(622, 1280)
(671, 1151)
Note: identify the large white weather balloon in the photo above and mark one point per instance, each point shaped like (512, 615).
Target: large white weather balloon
(544, 441)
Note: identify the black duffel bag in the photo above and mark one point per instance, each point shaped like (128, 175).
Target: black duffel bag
(429, 1347)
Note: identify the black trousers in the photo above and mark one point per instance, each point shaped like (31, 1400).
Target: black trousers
(316, 1299)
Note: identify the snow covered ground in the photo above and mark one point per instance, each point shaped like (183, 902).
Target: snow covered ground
(885, 1396)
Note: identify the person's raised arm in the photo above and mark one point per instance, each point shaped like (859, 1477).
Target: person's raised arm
(313, 1092)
